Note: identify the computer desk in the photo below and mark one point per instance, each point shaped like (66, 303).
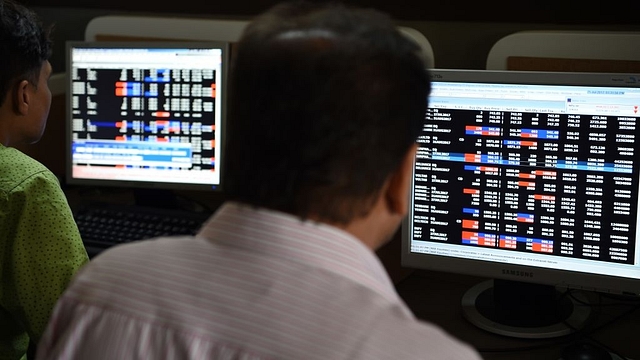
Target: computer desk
(436, 297)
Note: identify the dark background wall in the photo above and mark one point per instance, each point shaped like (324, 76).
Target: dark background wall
(461, 32)
(522, 11)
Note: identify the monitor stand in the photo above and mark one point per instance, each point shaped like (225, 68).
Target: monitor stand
(156, 198)
(523, 310)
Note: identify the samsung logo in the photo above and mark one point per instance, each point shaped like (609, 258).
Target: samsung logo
(517, 273)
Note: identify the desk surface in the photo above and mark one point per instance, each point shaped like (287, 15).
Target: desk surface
(436, 297)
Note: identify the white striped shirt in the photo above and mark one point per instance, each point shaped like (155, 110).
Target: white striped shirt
(253, 284)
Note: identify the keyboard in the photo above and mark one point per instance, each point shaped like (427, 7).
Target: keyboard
(105, 225)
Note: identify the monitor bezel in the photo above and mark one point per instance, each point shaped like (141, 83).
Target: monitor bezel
(521, 273)
(224, 46)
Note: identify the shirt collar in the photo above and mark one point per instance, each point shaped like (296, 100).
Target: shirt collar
(286, 236)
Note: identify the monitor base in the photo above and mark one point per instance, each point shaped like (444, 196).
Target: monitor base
(523, 310)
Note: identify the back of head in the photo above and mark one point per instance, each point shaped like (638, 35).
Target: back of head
(324, 102)
(24, 46)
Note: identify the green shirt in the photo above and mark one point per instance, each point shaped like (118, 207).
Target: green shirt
(40, 250)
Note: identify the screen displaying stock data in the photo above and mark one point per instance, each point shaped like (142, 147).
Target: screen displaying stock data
(532, 169)
(147, 114)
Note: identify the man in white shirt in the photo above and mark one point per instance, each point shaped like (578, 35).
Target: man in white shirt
(326, 103)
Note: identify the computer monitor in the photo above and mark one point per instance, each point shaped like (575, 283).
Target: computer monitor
(146, 114)
(530, 179)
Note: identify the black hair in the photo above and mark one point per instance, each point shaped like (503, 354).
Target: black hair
(24, 46)
(325, 100)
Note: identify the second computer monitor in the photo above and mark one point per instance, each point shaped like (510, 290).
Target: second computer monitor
(146, 114)
(528, 178)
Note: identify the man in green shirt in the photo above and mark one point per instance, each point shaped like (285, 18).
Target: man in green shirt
(40, 246)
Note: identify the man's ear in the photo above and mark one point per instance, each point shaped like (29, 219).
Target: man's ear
(22, 98)
(398, 190)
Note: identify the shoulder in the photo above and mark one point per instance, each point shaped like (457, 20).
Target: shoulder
(395, 336)
(17, 169)
(10, 157)
(125, 260)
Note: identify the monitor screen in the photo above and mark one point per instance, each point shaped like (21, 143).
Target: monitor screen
(146, 114)
(531, 178)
